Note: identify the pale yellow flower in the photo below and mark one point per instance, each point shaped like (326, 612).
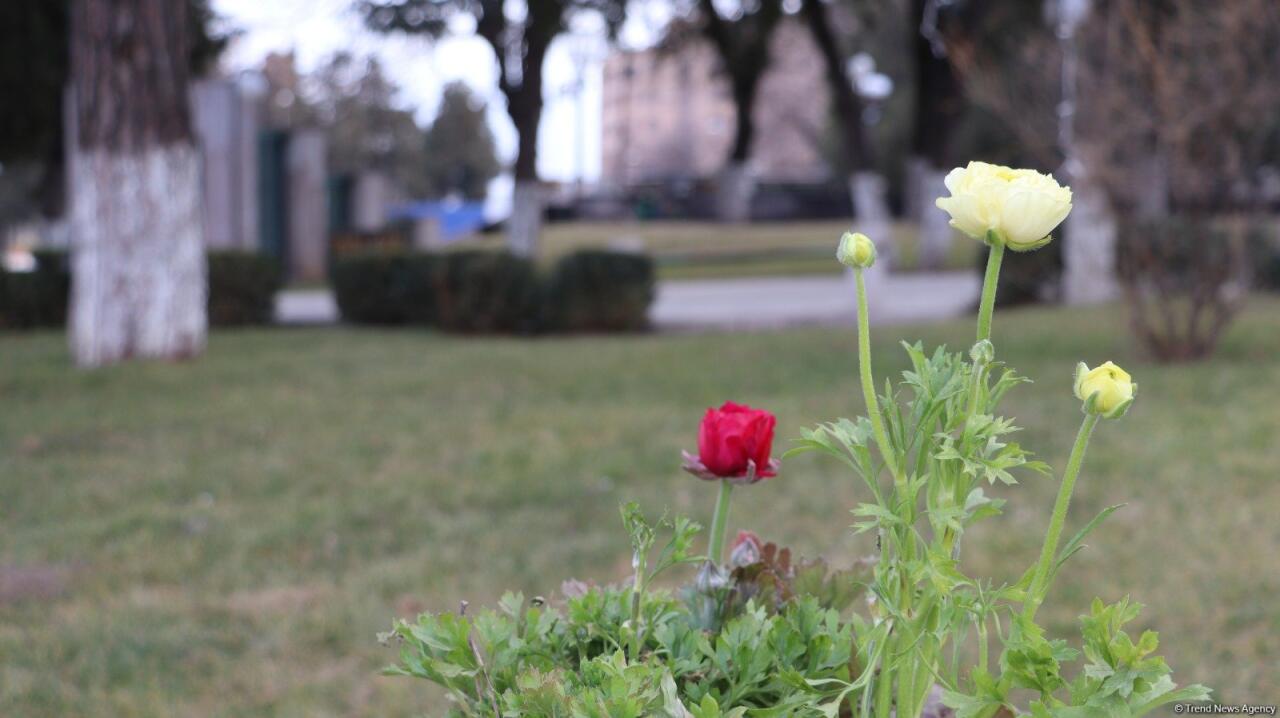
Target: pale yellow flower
(1020, 206)
(1112, 388)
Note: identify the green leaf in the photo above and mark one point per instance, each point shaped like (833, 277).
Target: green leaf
(1075, 544)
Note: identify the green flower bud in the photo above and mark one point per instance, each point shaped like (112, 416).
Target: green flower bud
(856, 250)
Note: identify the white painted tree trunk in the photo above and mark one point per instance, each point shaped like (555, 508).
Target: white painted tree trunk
(926, 184)
(869, 192)
(1089, 254)
(734, 192)
(139, 286)
(525, 225)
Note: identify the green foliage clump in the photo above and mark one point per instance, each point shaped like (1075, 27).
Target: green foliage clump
(242, 287)
(600, 291)
(630, 650)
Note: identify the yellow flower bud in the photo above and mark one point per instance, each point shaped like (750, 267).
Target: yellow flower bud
(1107, 389)
(856, 250)
(1018, 208)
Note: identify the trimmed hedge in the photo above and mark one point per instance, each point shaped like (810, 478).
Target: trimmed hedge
(38, 298)
(242, 287)
(386, 287)
(600, 291)
(480, 291)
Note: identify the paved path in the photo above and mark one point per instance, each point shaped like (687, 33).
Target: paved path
(767, 303)
(306, 306)
(749, 303)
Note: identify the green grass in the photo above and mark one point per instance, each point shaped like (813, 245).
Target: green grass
(234, 531)
(700, 250)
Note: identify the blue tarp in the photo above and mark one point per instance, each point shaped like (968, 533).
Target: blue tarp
(456, 219)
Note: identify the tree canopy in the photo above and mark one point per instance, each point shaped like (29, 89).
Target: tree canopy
(460, 156)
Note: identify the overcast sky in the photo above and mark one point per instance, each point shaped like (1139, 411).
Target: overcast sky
(314, 29)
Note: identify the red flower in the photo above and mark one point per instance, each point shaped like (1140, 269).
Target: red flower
(734, 443)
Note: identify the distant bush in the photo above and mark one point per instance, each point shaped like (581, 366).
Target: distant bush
(242, 287)
(599, 291)
(386, 287)
(37, 298)
(1184, 279)
(1264, 256)
(482, 291)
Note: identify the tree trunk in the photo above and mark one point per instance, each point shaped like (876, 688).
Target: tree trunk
(867, 189)
(1089, 251)
(735, 185)
(139, 286)
(734, 191)
(939, 105)
(742, 45)
(524, 106)
(138, 268)
(525, 224)
(869, 192)
(925, 183)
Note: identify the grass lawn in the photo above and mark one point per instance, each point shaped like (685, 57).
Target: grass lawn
(225, 537)
(697, 250)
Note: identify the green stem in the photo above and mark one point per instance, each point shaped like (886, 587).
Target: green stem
(989, 282)
(868, 383)
(1039, 583)
(884, 682)
(983, 651)
(906, 678)
(884, 691)
(715, 552)
(637, 589)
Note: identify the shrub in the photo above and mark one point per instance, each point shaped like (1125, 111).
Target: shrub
(38, 298)
(1264, 256)
(1184, 279)
(397, 287)
(481, 291)
(242, 287)
(599, 291)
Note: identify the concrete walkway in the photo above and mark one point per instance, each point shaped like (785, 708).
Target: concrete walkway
(749, 303)
(303, 307)
(773, 302)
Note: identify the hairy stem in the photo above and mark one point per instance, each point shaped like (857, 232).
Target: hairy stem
(715, 552)
(989, 282)
(884, 682)
(868, 383)
(637, 590)
(1040, 581)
